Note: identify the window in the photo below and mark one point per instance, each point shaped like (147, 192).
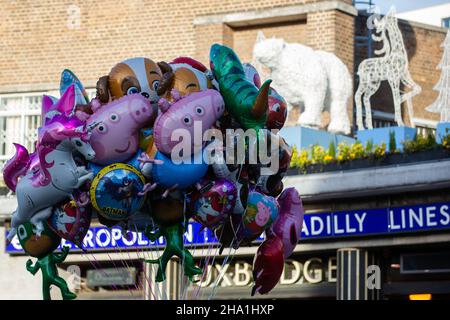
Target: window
(20, 117)
(446, 22)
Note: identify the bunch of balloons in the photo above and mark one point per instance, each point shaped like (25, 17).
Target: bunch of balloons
(118, 156)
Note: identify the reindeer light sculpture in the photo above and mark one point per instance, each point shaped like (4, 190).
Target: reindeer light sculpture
(391, 66)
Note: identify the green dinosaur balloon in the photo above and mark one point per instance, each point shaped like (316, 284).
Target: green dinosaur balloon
(42, 247)
(243, 100)
(174, 247)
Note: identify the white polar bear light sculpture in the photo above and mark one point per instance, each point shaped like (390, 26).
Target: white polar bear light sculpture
(317, 80)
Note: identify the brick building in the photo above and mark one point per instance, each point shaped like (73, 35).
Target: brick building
(41, 38)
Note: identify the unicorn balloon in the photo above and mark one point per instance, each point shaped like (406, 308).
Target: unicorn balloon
(50, 174)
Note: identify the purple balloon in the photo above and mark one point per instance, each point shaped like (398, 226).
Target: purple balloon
(288, 225)
(15, 167)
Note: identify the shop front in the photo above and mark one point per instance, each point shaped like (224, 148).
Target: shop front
(367, 253)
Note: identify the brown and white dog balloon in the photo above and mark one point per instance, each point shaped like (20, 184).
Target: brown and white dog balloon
(136, 75)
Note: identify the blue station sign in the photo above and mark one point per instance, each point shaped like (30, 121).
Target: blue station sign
(319, 225)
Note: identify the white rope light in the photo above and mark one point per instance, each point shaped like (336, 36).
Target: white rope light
(391, 67)
(442, 103)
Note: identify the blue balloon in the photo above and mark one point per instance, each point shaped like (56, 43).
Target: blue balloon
(184, 175)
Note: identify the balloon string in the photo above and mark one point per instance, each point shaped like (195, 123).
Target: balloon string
(207, 262)
(214, 256)
(161, 293)
(113, 262)
(222, 272)
(206, 265)
(146, 277)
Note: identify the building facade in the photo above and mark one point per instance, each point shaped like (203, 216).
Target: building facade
(405, 209)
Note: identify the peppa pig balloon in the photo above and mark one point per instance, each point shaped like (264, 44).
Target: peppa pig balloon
(260, 213)
(288, 225)
(203, 108)
(268, 265)
(213, 202)
(116, 137)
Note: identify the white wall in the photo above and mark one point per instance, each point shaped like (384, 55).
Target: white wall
(431, 15)
(15, 281)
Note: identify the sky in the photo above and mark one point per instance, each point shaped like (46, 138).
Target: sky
(406, 5)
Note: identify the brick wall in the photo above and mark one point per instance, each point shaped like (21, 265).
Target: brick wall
(244, 38)
(41, 37)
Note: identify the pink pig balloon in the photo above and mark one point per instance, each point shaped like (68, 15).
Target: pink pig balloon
(288, 225)
(204, 107)
(116, 137)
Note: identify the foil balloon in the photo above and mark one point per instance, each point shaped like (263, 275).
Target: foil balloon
(185, 77)
(146, 141)
(16, 167)
(116, 136)
(288, 225)
(169, 210)
(71, 221)
(268, 265)
(173, 236)
(252, 74)
(131, 76)
(272, 184)
(243, 100)
(277, 111)
(55, 174)
(277, 105)
(193, 115)
(172, 175)
(42, 247)
(48, 266)
(68, 78)
(115, 191)
(260, 213)
(34, 245)
(213, 202)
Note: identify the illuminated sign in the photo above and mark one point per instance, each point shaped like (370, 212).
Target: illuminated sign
(429, 217)
(296, 271)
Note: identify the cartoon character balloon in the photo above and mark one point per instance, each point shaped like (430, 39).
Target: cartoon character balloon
(131, 76)
(213, 202)
(277, 105)
(71, 221)
(194, 114)
(116, 137)
(260, 213)
(115, 191)
(243, 100)
(186, 76)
